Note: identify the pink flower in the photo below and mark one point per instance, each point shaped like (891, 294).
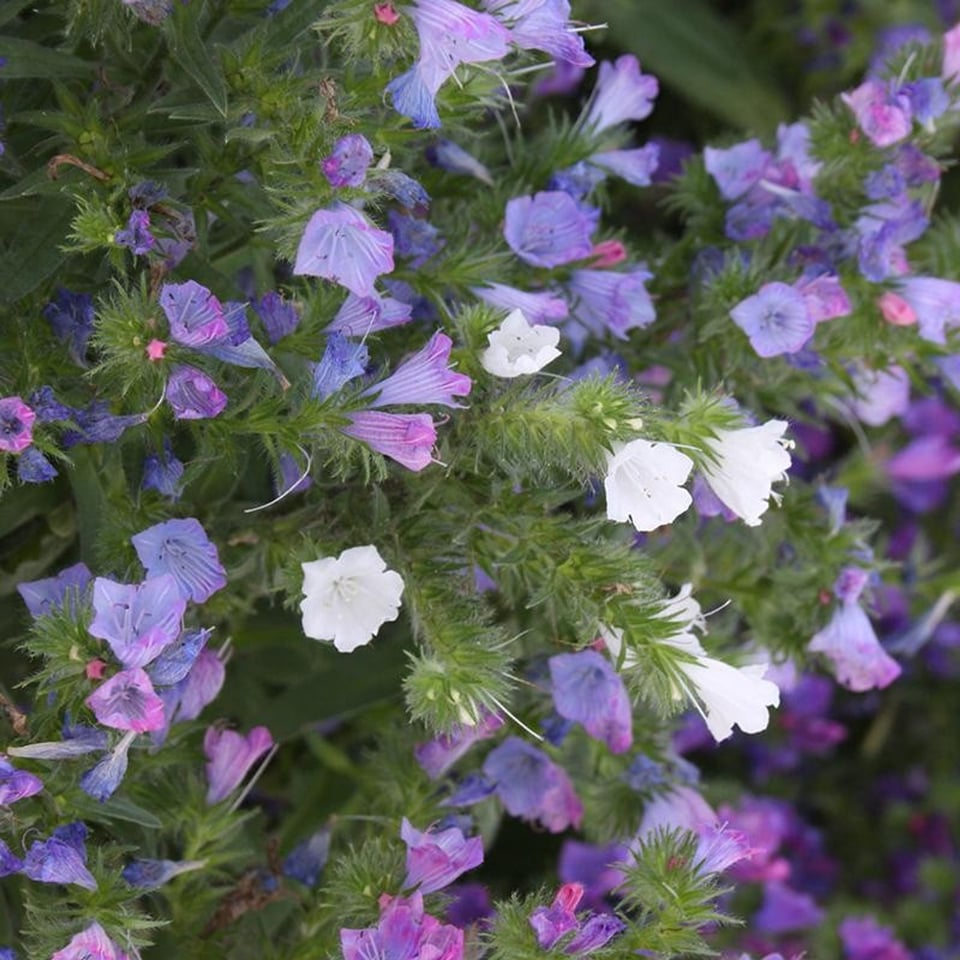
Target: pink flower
(16, 425)
(90, 944)
(435, 860)
(230, 755)
(127, 701)
(385, 13)
(407, 438)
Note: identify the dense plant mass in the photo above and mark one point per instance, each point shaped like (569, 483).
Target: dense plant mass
(469, 491)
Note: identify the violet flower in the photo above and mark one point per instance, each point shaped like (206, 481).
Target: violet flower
(438, 755)
(137, 620)
(101, 781)
(342, 361)
(71, 317)
(403, 932)
(92, 943)
(607, 301)
(192, 395)
(16, 425)
(195, 315)
(530, 785)
(775, 319)
(359, 316)
(34, 467)
(182, 549)
(408, 438)
(425, 377)
(436, 859)
(347, 164)
(588, 690)
(549, 228)
(230, 755)
(9, 864)
(339, 244)
(882, 110)
(279, 317)
(136, 236)
(849, 642)
(785, 909)
(307, 859)
(152, 874)
(738, 168)
(542, 25)
(163, 472)
(622, 93)
(60, 859)
(64, 591)
(539, 307)
(16, 784)
(127, 701)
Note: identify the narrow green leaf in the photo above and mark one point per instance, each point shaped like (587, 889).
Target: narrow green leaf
(117, 808)
(199, 61)
(26, 60)
(30, 239)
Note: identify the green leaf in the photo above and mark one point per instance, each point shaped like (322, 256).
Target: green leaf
(30, 240)
(26, 60)
(200, 62)
(699, 53)
(117, 808)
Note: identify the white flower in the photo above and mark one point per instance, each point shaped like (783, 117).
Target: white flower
(348, 598)
(644, 483)
(748, 462)
(727, 696)
(516, 348)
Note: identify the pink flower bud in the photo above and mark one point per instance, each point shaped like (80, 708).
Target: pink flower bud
(896, 310)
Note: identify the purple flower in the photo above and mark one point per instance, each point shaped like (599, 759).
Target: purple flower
(291, 477)
(307, 859)
(542, 25)
(636, 166)
(178, 659)
(594, 867)
(400, 187)
(928, 100)
(153, 874)
(776, 320)
(96, 424)
(186, 699)
(425, 377)
(192, 395)
(882, 111)
(549, 229)
(539, 308)
(578, 181)
(450, 34)
(824, 296)
(60, 859)
(230, 755)
(195, 315)
(414, 238)
(403, 932)
(451, 157)
(78, 741)
(92, 943)
(137, 620)
(530, 785)
(71, 317)
(936, 303)
(738, 168)
(408, 438)
(718, 849)
(882, 230)
(438, 755)
(163, 472)
(16, 784)
(435, 860)
(926, 458)
(785, 909)
(34, 467)
(16, 425)
(62, 592)
(127, 702)
(622, 93)
(182, 549)
(136, 236)
(589, 691)
(342, 361)
(46, 406)
(596, 932)
(359, 316)
(279, 317)
(881, 394)
(340, 245)
(146, 194)
(849, 642)
(864, 939)
(348, 161)
(102, 780)
(8, 862)
(553, 922)
(615, 302)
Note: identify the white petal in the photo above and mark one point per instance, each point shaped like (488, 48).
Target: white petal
(644, 484)
(732, 696)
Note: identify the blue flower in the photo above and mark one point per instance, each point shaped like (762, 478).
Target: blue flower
(61, 859)
(342, 361)
(71, 316)
(182, 549)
